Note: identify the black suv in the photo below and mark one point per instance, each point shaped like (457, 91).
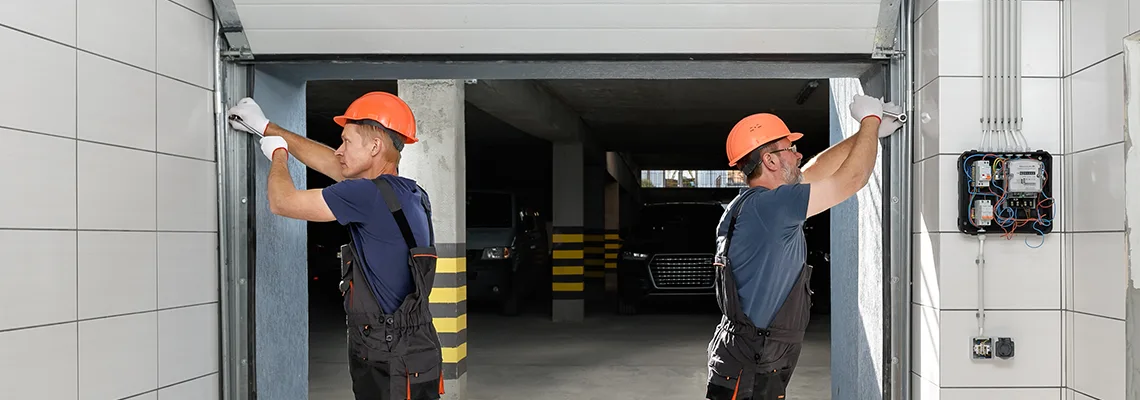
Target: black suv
(669, 251)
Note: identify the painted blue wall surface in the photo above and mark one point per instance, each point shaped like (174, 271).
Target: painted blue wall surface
(856, 276)
(281, 296)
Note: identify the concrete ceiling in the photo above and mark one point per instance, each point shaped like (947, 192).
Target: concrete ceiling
(662, 124)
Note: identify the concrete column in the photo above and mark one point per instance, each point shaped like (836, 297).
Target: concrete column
(280, 293)
(438, 164)
(569, 251)
(612, 238)
(595, 218)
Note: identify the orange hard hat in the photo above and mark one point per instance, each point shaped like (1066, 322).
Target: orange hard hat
(754, 131)
(384, 108)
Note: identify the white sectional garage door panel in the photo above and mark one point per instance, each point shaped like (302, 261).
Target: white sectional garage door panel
(559, 27)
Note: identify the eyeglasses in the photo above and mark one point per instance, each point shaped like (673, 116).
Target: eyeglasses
(792, 148)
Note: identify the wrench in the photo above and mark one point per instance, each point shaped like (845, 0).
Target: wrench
(238, 119)
(901, 117)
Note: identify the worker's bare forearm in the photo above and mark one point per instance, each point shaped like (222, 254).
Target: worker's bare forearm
(828, 161)
(314, 154)
(280, 182)
(856, 169)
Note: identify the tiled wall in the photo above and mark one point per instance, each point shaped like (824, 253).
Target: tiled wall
(1063, 303)
(108, 232)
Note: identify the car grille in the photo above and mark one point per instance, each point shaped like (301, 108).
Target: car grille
(682, 271)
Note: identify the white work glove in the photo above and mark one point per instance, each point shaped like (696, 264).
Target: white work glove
(890, 125)
(865, 106)
(269, 144)
(250, 114)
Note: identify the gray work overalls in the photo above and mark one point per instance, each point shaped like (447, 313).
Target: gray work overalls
(746, 362)
(392, 356)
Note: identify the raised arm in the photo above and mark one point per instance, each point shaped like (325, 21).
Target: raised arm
(828, 161)
(250, 118)
(855, 171)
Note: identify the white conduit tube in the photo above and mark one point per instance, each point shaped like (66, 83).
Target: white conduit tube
(999, 21)
(1018, 115)
(987, 77)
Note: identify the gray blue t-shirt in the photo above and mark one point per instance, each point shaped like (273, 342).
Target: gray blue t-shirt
(768, 249)
(377, 237)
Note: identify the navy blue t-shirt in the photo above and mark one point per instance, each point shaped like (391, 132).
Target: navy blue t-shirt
(378, 238)
(768, 249)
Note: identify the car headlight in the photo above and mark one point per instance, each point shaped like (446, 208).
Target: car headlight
(496, 253)
(629, 255)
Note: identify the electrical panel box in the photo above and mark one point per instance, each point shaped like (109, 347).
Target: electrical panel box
(1005, 192)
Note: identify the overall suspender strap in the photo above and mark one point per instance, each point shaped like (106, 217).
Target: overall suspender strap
(397, 210)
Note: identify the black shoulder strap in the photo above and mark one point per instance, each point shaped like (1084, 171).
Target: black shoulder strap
(736, 208)
(397, 210)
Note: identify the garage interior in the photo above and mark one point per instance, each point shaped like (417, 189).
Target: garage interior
(672, 132)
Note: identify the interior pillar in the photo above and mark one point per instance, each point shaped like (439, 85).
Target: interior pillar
(280, 290)
(568, 261)
(437, 163)
(613, 237)
(595, 222)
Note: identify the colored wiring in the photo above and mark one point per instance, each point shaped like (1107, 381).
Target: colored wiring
(1004, 216)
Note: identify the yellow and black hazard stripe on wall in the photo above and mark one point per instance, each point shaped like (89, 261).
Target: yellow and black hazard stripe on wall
(568, 262)
(595, 256)
(613, 249)
(448, 302)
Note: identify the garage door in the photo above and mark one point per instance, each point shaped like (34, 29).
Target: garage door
(294, 27)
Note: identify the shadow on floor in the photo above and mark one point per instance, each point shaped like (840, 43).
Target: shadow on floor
(657, 354)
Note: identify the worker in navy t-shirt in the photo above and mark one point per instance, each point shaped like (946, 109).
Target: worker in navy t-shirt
(763, 289)
(377, 236)
(376, 127)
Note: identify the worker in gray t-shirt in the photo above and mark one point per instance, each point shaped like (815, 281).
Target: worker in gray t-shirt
(762, 277)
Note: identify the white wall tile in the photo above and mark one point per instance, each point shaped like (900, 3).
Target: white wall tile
(1100, 276)
(186, 118)
(1016, 276)
(960, 51)
(1133, 16)
(120, 29)
(928, 101)
(36, 265)
(926, 36)
(111, 283)
(926, 339)
(116, 103)
(1095, 32)
(116, 188)
(187, 195)
(204, 7)
(1037, 358)
(929, 211)
(187, 268)
(41, 17)
(185, 45)
(1098, 357)
(925, 288)
(118, 356)
(53, 184)
(204, 388)
(44, 74)
(1097, 189)
(959, 115)
(922, 389)
(1071, 394)
(146, 396)
(1098, 105)
(189, 345)
(40, 363)
(1001, 393)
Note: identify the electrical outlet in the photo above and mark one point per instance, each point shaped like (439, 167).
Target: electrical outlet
(982, 348)
(1004, 348)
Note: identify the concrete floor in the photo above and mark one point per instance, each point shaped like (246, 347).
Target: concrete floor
(658, 354)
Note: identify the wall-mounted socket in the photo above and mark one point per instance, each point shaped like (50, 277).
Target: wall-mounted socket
(1004, 347)
(981, 348)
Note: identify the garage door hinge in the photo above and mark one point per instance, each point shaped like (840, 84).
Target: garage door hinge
(242, 54)
(887, 53)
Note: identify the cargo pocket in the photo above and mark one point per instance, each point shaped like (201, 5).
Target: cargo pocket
(424, 375)
(769, 386)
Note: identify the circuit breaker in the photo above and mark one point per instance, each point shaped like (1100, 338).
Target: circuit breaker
(1005, 192)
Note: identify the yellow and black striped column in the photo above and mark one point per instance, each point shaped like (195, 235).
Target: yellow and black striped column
(613, 250)
(595, 260)
(568, 279)
(448, 302)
